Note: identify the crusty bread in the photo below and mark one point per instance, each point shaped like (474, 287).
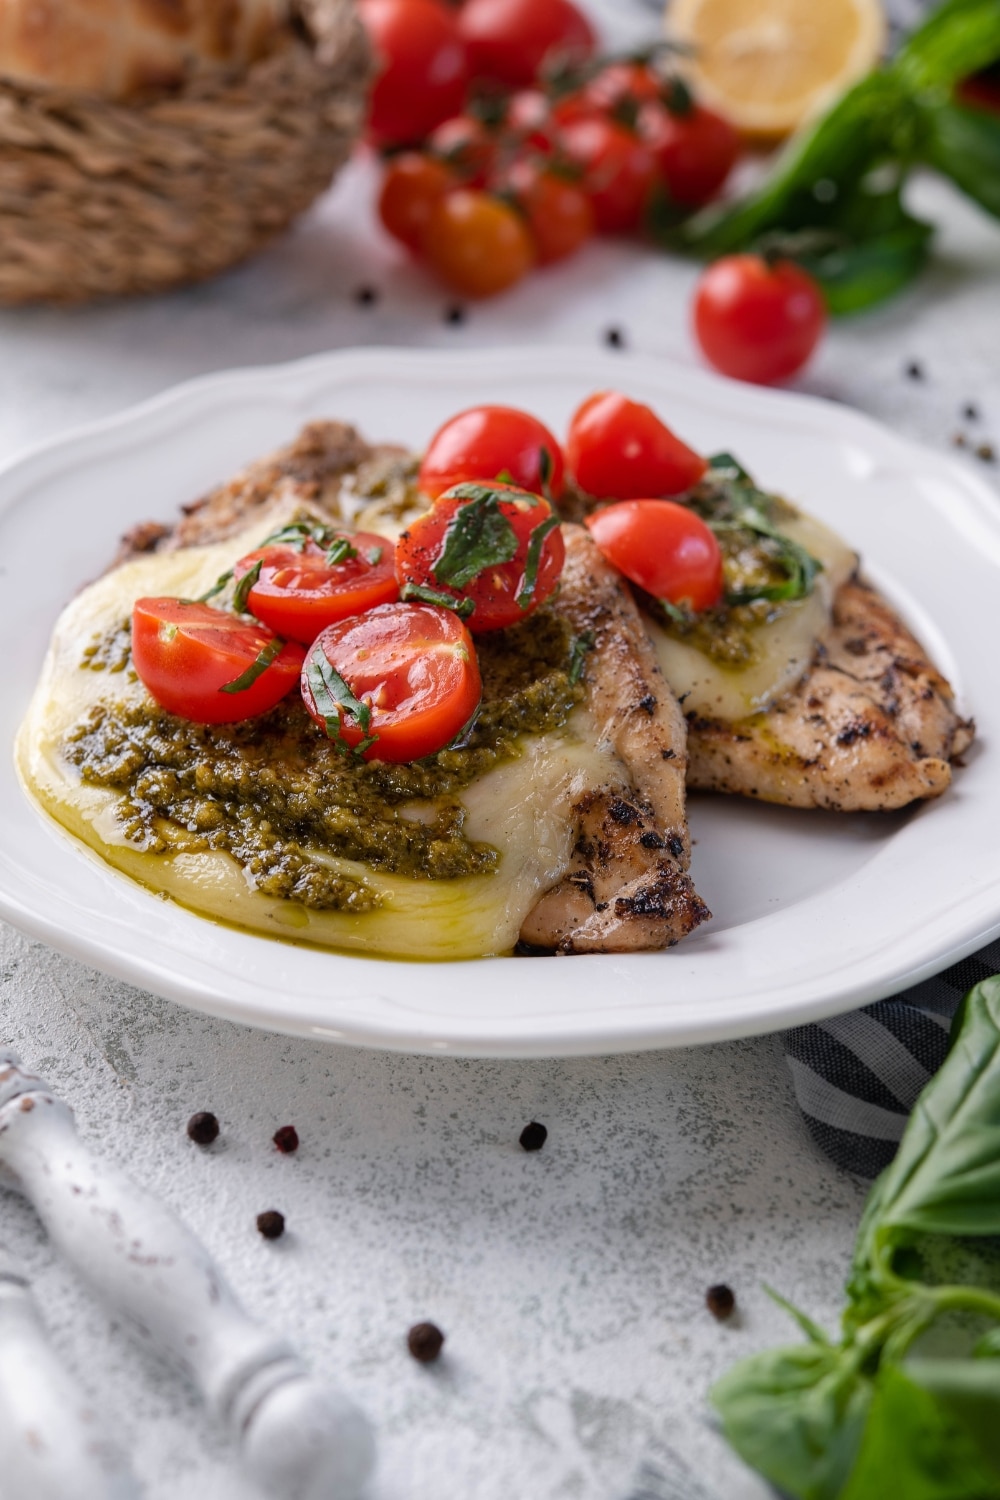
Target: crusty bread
(120, 47)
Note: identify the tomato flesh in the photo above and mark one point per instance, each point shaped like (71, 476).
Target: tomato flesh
(620, 450)
(510, 41)
(299, 592)
(487, 441)
(423, 72)
(411, 666)
(502, 592)
(663, 547)
(756, 321)
(187, 655)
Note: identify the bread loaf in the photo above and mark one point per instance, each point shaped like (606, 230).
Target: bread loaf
(116, 48)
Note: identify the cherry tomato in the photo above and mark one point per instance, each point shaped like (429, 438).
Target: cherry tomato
(465, 146)
(558, 211)
(523, 558)
(620, 450)
(512, 40)
(981, 90)
(620, 86)
(487, 441)
(423, 74)
(618, 171)
(300, 591)
(663, 547)
(529, 120)
(756, 321)
(412, 185)
(412, 671)
(695, 151)
(191, 657)
(477, 244)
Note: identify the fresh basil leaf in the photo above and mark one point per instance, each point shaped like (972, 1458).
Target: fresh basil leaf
(217, 588)
(424, 595)
(745, 511)
(967, 1391)
(242, 591)
(374, 555)
(582, 645)
(479, 536)
(958, 38)
(246, 679)
(331, 694)
(725, 465)
(340, 550)
(858, 274)
(964, 144)
(529, 582)
(297, 533)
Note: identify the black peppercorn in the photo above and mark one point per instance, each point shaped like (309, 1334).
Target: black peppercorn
(454, 315)
(987, 453)
(915, 370)
(533, 1137)
(720, 1301)
(366, 296)
(614, 338)
(203, 1128)
(425, 1342)
(286, 1139)
(970, 411)
(271, 1224)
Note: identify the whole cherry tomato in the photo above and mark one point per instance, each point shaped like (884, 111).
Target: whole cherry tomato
(301, 587)
(620, 450)
(695, 150)
(466, 147)
(529, 120)
(663, 547)
(621, 86)
(487, 441)
(203, 664)
(618, 171)
(558, 211)
(477, 244)
(511, 41)
(395, 684)
(757, 321)
(491, 551)
(412, 185)
(423, 70)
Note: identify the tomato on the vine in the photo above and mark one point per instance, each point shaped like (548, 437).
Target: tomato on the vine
(301, 587)
(757, 321)
(203, 664)
(663, 547)
(466, 147)
(558, 211)
(618, 170)
(486, 442)
(396, 684)
(620, 87)
(695, 150)
(491, 551)
(413, 183)
(477, 244)
(529, 120)
(423, 73)
(511, 41)
(619, 449)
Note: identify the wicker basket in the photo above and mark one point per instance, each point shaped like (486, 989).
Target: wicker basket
(102, 199)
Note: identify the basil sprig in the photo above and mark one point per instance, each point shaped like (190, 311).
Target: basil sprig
(875, 1415)
(331, 694)
(424, 594)
(746, 510)
(479, 536)
(241, 593)
(257, 668)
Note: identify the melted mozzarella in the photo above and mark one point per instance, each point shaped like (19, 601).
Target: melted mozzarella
(785, 644)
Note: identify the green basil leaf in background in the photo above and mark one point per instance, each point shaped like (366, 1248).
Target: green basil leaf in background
(967, 1391)
(797, 1416)
(855, 276)
(914, 1449)
(957, 39)
(479, 536)
(964, 144)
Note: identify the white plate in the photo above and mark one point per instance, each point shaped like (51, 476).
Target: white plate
(814, 913)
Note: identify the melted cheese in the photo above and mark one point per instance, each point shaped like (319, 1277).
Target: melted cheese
(521, 807)
(785, 645)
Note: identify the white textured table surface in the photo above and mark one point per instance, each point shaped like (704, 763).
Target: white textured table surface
(570, 1283)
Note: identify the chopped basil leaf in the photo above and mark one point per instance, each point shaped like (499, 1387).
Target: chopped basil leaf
(217, 587)
(246, 583)
(424, 595)
(674, 612)
(583, 643)
(340, 550)
(746, 510)
(331, 694)
(374, 555)
(479, 536)
(529, 583)
(270, 653)
(297, 533)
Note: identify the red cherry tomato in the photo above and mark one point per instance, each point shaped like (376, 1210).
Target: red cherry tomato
(620, 86)
(695, 151)
(477, 244)
(981, 90)
(299, 592)
(618, 171)
(511, 41)
(413, 183)
(558, 212)
(620, 450)
(487, 441)
(423, 71)
(517, 557)
(663, 547)
(755, 321)
(465, 146)
(412, 672)
(191, 659)
(529, 120)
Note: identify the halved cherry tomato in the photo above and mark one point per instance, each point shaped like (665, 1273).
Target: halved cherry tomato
(618, 170)
(299, 591)
(512, 40)
(409, 670)
(466, 147)
(423, 71)
(620, 450)
(492, 550)
(558, 211)
(695, 150)
(757, 321)
(413, 183)
(208, 666)
(487, 441)
(477, 244)
(663, 547)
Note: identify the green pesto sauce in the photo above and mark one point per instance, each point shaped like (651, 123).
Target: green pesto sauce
(277, 795)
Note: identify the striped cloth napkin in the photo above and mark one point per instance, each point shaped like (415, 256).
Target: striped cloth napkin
(858, 1076)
